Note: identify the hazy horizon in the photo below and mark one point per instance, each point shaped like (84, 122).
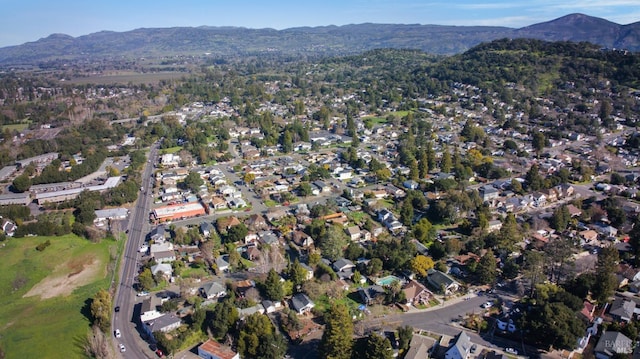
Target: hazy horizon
(32, 20)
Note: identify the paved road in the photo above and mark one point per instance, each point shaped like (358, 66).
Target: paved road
(125, 320)
(443, 321)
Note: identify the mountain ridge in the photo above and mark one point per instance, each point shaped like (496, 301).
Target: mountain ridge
(329, 40)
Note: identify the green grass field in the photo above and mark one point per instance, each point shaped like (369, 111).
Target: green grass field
(175, 149)
(32, 327)
(16, 127)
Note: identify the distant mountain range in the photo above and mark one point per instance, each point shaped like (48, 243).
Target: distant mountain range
(226, 42)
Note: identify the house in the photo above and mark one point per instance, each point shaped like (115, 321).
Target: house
(353, 232)
(629, 272)
(301, 303)
(158, 234)
(588, 310)
(252, 253)
(149, 310)
(103, 216)
(551, 194)
(420, 347)
(589, 236)
(213, 290)
(164, 268)
(164, 323)
(218, 203)
(270, 306)
(222, 263)
(309, 271)
(442, 282)
(394, 191)
(460, 347)
(494, 225)
(211, 349)
(8, 227)
(410, 184)
(245, 312)
(488, 193)
(321, 186)
(622, 310)
(612, 343)
(342, 265)
(268, 237)
(301, 239)
(416, 293)
(257, 222)
(243, 286)
(206, 228)
(539, 199)
(372, 294)
(164, 256)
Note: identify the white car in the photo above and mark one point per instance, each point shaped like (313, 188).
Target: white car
(487, 305)
(117, 333)
(142, 294)
(511, 351)
(122, 348)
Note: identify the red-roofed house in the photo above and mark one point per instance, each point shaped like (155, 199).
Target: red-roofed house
(587, 311)
(211, 349)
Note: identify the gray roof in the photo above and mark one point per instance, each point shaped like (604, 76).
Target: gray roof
(622, 308)
(437, 278)
(300, 301)
(162, 322)
(462, 344)
(420, 347)
(342, 263)
(158, 232)
(112, 213)
(613, 342)
(213, 288)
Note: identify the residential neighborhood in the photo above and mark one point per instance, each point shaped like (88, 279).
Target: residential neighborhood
(297, 215)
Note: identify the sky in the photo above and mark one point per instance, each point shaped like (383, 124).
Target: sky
(29, 20)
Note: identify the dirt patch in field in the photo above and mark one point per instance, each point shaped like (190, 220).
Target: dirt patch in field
(68, 276)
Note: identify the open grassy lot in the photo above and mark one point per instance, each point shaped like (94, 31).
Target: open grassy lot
(175, 149)
(44, 306)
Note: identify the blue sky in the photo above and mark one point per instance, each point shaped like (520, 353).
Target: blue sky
(28, 20)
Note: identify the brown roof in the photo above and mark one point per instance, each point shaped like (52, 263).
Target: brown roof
(413, 289)
(217, 349)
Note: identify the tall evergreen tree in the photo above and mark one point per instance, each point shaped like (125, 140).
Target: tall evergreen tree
(487, 268)
(605, 283)
(374, 346)
(336, 342)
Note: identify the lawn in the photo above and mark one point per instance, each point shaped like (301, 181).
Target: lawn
(32, 326)
(175, 149)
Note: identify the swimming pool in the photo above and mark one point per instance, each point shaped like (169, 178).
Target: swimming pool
(388, 280)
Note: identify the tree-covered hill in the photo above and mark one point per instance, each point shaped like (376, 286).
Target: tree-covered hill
(540, 66)
(309, 42)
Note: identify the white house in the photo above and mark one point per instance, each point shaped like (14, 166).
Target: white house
(460, 348)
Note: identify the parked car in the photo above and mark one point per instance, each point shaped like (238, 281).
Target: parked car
(159, 353)
(117, 309)
(511, 351)
(142, 294)
(117, 333)
(487, 305)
